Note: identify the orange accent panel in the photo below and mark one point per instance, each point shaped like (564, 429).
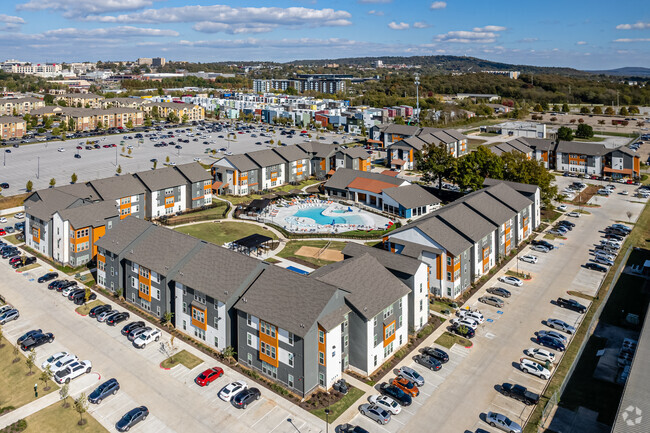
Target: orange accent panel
(322, 347)
(200, 325)
(97, 233)
(37, 238)
(322, 165)
(101, 258)
(272, 342)
(146, 281)
(390, 339)
(439, 267)
(637, 165)
(198, 198)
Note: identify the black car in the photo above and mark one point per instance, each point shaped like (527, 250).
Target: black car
(245, 397)
(96, 311)
(439, 354)
(118, 318)
(520, 393)
(73, 293)
(131, 418)
(463, 331)
(5, 185)
(543, 243)
(79, 298)
(396, 394)
(110, 387)
(349, 428)
(9, 253)
(567, 223)
(36, 340)
(65, 284)
(428, 362)
(55, 284)
(24, 262)
(132, 327)
(27, 335)
(47, 277)
(595, 267)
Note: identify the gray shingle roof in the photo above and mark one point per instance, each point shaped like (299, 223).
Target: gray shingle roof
(116, 187)
(519, 187)
(333, 319)
(356, 152)
(542, 144)
(94, 214)
(582, 148)
(626, 150)
(371, 287)
(509, 196)
(162, 178)
(411, 196)
(241, 162)
(53, 199)
(160, 249)
(11, 119)
(319, 150)
(265, 158)
(414, 142)
(443, 234)
(490, 207)
(467, 222)
(123, 234)
(396, 262)
(291, 153)
(344, 176)
(284, 298)
(413, 250)
(194, 172)
(393, 128)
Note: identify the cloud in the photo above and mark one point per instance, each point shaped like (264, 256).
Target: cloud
(8, 19)
(81, 8)
(226, 19)
(438, 5)
(398, 26)
(112, 32)
(581, 43)
(376, 13)
(480, 35)
(420, 25)
(633, 40)
(266, 43)
(489, 29)
(636, 26)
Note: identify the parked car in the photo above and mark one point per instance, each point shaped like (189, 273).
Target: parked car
(63, 362)
(35, 340)
(410, 374)
(230, 390)
(117, 318)
(72, 371)
(595, 267)
(502, 422)
(102, 317)
(574, 214)
(110, 387)
(571, 304)
(375, 413)
(511, 280)
(474, 315)
(464, 322)
(436, 353)
(499, 291)
(146, 338)
(551, 342)
(541, 354)
(492, 300)
(562, 207)
(567, 224)
(428, 361)
(246, 397)
(561, 325)
(534, 368)
(528, 258)
(209, 376)
(386, 403)
(553, 334)
(396, 394)
(52, 359)
(520, 393)
(8, 316)
(131, 418)
(463, 331)
(130, 327)
(604, 261)
(137, 332)
(96, 311)
(406, 385)
(47, 277)
(543, 243)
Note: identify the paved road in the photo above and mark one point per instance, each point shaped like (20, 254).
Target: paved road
(468, 392)
(40, 162)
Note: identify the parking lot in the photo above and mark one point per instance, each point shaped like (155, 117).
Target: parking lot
(42, 161)
(175, 402)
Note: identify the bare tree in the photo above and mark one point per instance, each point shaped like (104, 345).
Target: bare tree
(64, 393)
(81, 406)
(45, 376)
(30, 361)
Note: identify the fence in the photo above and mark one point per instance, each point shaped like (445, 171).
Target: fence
(554, 400)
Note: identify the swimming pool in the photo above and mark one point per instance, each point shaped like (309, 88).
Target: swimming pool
(316, 213)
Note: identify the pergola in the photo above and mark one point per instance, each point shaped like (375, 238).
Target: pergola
(252, 243)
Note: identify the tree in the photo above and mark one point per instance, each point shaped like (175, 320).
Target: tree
(52, 182)
(118, 170)
(71, 126)
(473, 168)
(29, 186)
(81, 406)
(73, 178)
(597, 110)
(56, 131)
(564, 133)
(633, 109)
(271, 141)
(572, 121)
(123, 149)
(229, 353)
(186, 118)
(30, 361)
(155, 163)
(129, 124)
(64, 392)
(167, 318)
(155, 113)
(565, 108)
(544, 106)
(147, 121)
(556, 107)
(629, 216)
(518, 168)
(581, 120)
(436, 163)
(623, 111)
(553, 119)
(609, 111)
(585, 110)
(601, 121)
(399, 120)
(167, 159)
(172, 117)
(16, 357)
(640, 124)
(47, 122)
(279, 143)
(45, 376)
(100, 125)
(538, 108)
(129, 151)
(584, 131)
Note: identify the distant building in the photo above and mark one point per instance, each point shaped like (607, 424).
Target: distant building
(510, 74)
(155, 61)
(12, 127)
(518, 129)
(19, 106)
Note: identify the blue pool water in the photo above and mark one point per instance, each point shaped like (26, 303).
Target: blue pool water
(298, 271)
(316, 213)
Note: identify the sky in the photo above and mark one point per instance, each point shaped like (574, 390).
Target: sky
(592, 34)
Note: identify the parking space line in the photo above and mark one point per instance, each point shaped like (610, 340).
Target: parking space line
(243, 412)
(267, 414)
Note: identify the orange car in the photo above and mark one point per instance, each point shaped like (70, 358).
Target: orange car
(406, 385)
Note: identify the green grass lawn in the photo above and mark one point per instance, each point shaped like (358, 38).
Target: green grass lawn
(440, 306)
(235, 200)
(16, 387)
(340, 406)
(289, 251)
(220, 233)
(474, 143)
(217, 211)
(85, 309)
(448, 339)
(12, 239)
(57, 419)
(183, 357)
(549, 215)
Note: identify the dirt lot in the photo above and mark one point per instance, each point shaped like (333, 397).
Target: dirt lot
(328, 254)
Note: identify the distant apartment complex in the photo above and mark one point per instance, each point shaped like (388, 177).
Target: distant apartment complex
(12, 127)
(19, 106)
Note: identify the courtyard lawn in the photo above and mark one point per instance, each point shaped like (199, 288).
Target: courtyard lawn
(235, 200)
(57, 419)
(289, 251)
(183, 357)
(228, 231)
(448, 339)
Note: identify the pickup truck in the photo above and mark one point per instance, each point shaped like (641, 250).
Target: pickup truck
(571, 305)
(520, 393)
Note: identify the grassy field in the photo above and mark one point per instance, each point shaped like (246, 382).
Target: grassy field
(340, 406)
(220, 233)
(549, 215)
(474, 143)
(16, 387)
(183, 357)
(439, 306)
(235, 200)
(448, 339)
(12, 239)
(289, 251)
(12, 201)
(218, 211)
(57, 419)
(85, 309)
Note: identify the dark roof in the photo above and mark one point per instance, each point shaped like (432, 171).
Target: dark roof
(241, 162)
(413, 141)
(541, 144)
(252, 241)
(393, 128)
(582, 148)
(333, 319)
(123, 233)
(156, 180)
(467, 222)
(291, 301)
(490, 207)
(371, 287)
(411, 196)
(160, 249)
(194, 172)
(397, 262)
(508, 196)
(510, 146)
(626, 150)
(258, 204)
(317, 149)
(291, 153)
(90, 215)
(265, 158)
(414, 250)
(357, 152)
(523, 188)
(344, 176)
(116, 187)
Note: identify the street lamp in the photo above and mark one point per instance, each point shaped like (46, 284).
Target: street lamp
(327, 420)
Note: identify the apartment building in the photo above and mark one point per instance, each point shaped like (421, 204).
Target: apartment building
(462, 241)
(87, 119)
(123, 103)
(402, 154)
(199, 185)
(80, 100)
(296, 165)
(126, 192)
(580, 157)
(190, 112)
(622, 162)
(19, 106)
(12, 127)
(166, 191)
(325, 158)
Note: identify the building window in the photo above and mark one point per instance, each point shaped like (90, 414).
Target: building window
(290, 380)
(184, 325)
(374, 322)
(158, 311)
(290, 338)
(390, 331)
(144, 289)
(346, 340)
(267, 349)
(321, 337)
(199, 333)
(184, 307)
(448, 261)
(249, 339)
(216, 341)
(321, 379)
(216, 323)
(134, 282)
(199, 297)
(421, 305)
(399, 322)
(375, 361)
(448, 276)
(198, 315)
(375, 339)
(249, 320)
(144, 272)
(388, 350)
(389, 311)
(291, 358)
(321, 358)
(157, 294)
(249, 358)
(268, 329)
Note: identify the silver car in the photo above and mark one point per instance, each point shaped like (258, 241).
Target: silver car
(560, 325)
(412, 375)
(491, 300)
(375, 413)
(502, 422)
(8, 316)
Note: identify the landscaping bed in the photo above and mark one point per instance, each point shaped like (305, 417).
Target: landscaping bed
(336, 402)
(183, 357)
(218, 210)
(447, 339)
(83, 310)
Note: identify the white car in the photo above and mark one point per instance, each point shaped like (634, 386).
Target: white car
(197, 159)
(560, 325)
(540, 248)
(129, 147)
(72, 371)
(605, 256)
(5, 307)
(511, 280)
(3, 220)
(562, 207)
(65, 292)
(474, 315)
(146, 338)
(61, 149)
(386, 403)
(541, 354)
(624, 193)
(574, 214)
(53, 359)
(534, 368)
(63, 362)
(230, 390)
(528, 258)
(20, 215)
(470, 323)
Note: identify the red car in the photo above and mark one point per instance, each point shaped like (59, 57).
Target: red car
(2, 232)
(209, 375)
(79, 147)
